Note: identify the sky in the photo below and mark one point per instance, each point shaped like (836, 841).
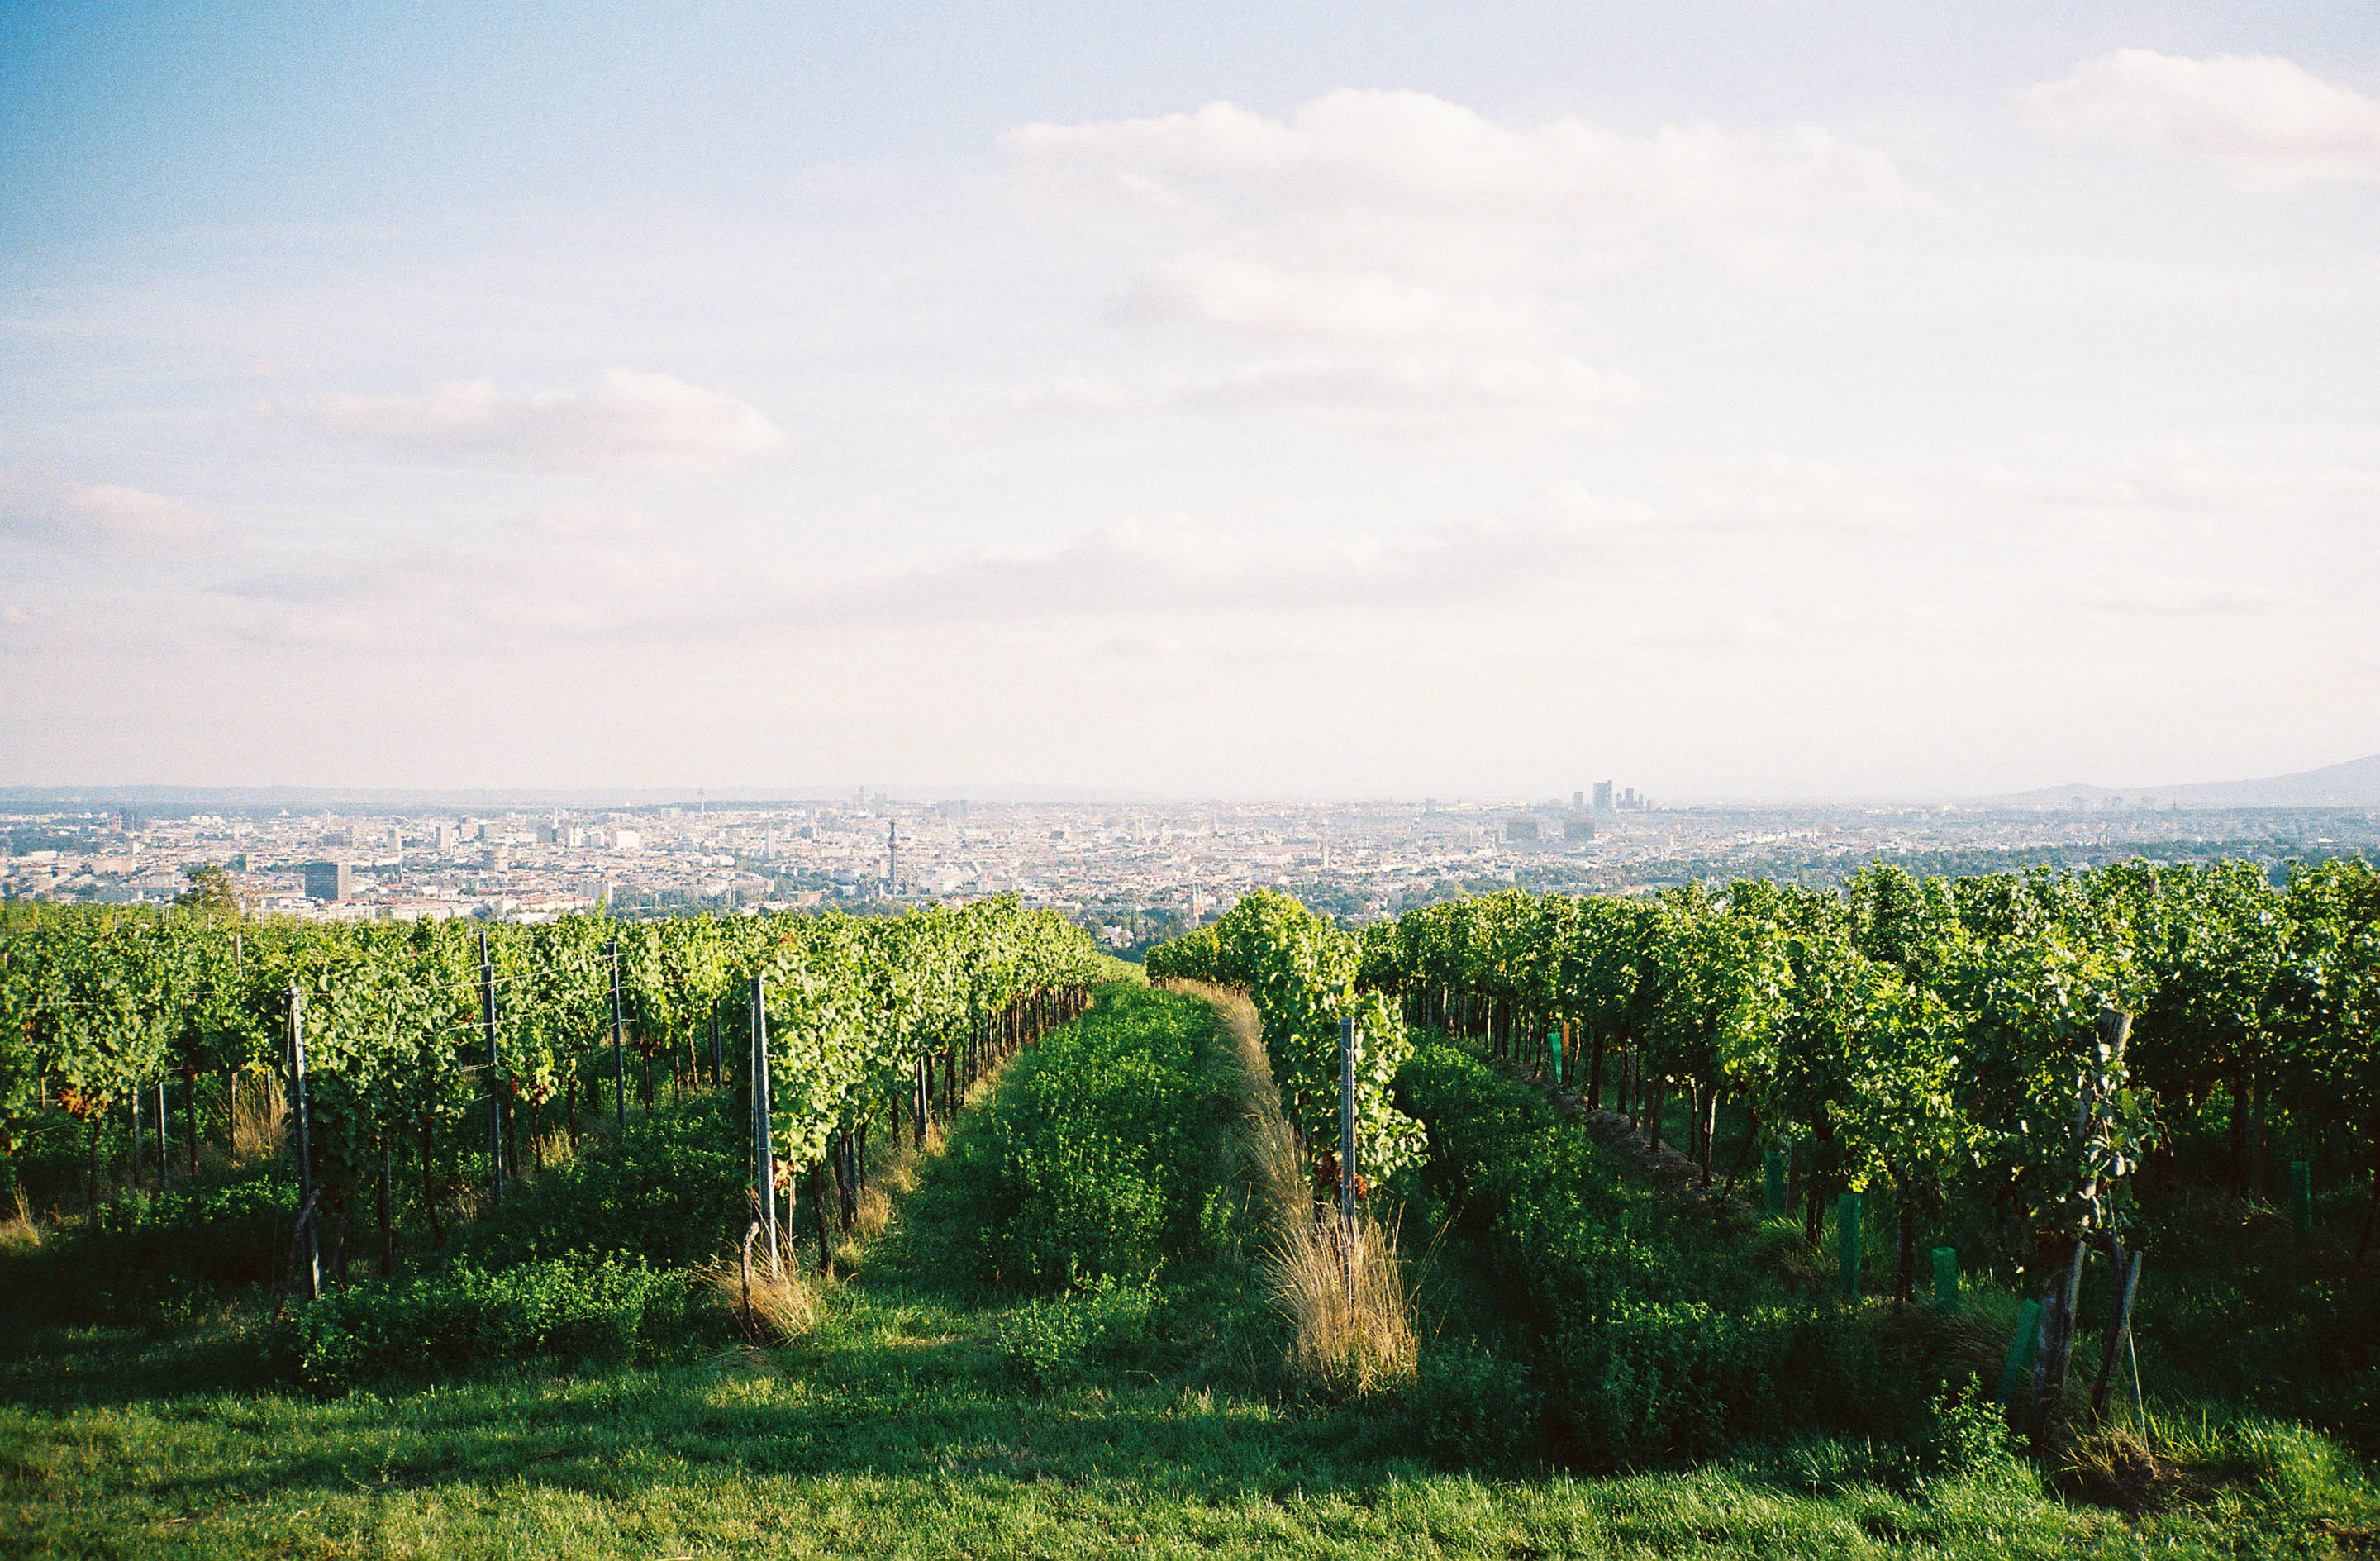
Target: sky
(1773, 400)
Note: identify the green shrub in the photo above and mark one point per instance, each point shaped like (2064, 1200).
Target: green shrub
(669, 1191)
(1099, 1155)
(145, 1249)
(1048, 1342)
(1468, 1407)
(1660, 1341)
(1966, 1434)
(460, 1318)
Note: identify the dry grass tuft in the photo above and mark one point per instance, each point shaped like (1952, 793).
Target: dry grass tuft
(1348, 1298)
(21, 1231)
(875, 1210)
(898, 1170)
(259, 1115)
(1355, 1327)
(2113, 1467)
(785, 1305)
(552, 1150)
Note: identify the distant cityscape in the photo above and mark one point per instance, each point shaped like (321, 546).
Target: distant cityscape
(1134, 873)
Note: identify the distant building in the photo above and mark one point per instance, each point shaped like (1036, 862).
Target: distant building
(1578, 802)
(1578, 827)
(1522, 829)
(627, 840)
(422, 909)
(329, 881)
(1603, 796)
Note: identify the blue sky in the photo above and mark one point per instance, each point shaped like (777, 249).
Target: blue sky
(1757, 400)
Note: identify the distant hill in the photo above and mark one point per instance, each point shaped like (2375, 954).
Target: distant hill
(2355, 784)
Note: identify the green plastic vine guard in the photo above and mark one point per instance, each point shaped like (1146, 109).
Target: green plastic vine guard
(1773, 1172)
(2019, 1350)
(1946, 1278)
(2302, 1196)
(1553, 1039)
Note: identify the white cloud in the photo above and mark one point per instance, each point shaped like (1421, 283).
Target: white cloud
(629, 425)
(2266, 121)
(2175, 484)
(556, 574)
(1075, 392)
(1398, 393)
(1730, 631)
(1410, 153)
(1249, 298)
(98, 516)
(1426, 251)
(2173, 597)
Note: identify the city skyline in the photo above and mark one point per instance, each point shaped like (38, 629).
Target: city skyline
(2351, 783)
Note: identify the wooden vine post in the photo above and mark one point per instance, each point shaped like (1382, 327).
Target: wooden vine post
(2064, 1284)
(2120, 1327)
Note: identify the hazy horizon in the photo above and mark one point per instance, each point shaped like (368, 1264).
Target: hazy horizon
(1040, 793)
(1736, 401)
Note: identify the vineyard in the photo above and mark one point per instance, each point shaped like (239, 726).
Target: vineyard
(2026, 1215)
(428, 1068)
(2021, 1067)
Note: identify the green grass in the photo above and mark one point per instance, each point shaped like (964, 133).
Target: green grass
(901, 1428)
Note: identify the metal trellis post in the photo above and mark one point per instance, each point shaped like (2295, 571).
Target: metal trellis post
(495, 1067)
(764, 1148)
(1347, 1148)
(619, 1057)
(305, 1139)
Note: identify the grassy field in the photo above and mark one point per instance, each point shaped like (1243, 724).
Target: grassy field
(932, 1413)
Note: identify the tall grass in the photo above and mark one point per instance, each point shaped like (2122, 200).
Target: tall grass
(784, 1305)
(20, 1229)
(1342, 1289)
(259, 1116)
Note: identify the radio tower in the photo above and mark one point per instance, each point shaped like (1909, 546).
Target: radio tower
(892, 857)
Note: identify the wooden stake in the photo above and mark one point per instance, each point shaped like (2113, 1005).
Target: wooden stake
(2120, 1327)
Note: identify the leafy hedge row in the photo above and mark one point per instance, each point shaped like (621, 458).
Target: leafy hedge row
(148, 1248)
(1099, 1154)
(460, 1318)
(1656, 1334)
(668, 1190)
